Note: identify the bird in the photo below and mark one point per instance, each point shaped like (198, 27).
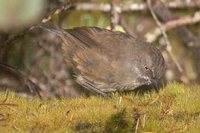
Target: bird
(105, 61)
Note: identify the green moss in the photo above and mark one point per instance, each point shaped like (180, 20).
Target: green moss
(175, 108)
(117, 123)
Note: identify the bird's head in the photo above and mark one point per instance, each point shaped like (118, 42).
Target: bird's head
(144, 68)
(149, 68)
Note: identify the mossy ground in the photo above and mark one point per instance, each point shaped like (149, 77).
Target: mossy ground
(176, 108)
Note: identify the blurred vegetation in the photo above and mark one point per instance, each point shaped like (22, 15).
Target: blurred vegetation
(19, 14)
(174, 109)
(38, 54)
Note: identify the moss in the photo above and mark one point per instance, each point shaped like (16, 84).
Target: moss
(175, 108)
(117, 123)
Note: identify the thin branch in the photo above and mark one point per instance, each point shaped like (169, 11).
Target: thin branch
(132, 6)
(168, 45)
(190, 41)
(188, 20)
(58, 10)
(114, 14)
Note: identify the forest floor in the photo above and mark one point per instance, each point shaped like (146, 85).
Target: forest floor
(175, 108)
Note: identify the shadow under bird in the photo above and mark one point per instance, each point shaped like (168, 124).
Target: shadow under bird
(106, 61)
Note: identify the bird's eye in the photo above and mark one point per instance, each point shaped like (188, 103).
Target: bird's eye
(146, 67)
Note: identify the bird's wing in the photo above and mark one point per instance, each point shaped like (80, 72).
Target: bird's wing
(86, 35)
(112, 43)
(94, 66)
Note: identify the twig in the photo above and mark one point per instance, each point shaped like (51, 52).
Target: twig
(187, 20)
(114, 14)
(190, 40)
(132, 6)
(143, 120)
(6, 98)
(58, 10)
(137, 125)
(39, 85)
(168, 45)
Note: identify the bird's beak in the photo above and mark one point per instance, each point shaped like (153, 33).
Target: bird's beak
(155, 84)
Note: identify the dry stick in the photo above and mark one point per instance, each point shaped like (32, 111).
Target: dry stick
(187, 20)
(190, 41)
(132, 6)
(40, 85)
(168, 45)
(137, 125)
(114, 14)
(58, 10)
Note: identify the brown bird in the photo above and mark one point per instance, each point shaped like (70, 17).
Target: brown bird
(105, 61)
